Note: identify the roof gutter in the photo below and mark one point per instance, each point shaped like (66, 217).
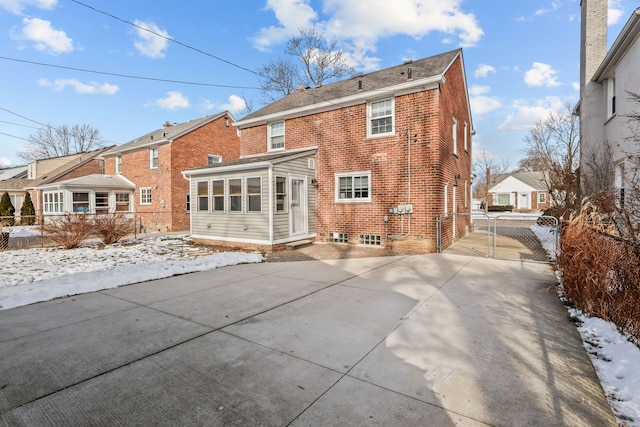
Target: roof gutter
(404, 88)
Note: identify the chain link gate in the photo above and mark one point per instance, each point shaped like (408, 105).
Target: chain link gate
(503, 236)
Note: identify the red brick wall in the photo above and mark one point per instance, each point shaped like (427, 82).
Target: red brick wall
(166, 182)
(341, 136)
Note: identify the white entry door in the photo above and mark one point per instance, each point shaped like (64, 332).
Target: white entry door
(298, 211)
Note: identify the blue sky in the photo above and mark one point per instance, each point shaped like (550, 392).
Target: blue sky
(521, 58)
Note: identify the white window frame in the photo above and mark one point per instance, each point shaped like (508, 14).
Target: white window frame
(53, 204)
(213, 159)
(611, 97)
(238, 195)
(118, 164)
(353, 176)
(102, 206)
(370, 117)
(282, 194)
(466, 136)
(121, 203)
(154, 158)
(454, 131)
(214, 196)
(278, 134)
(75, 204)
(446, 200)
(249, 195)
(188, 202)
(145, 196)
(542, 197)
(202, 198)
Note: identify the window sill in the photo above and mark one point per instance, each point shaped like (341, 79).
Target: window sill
(382, 135)
(352, 201)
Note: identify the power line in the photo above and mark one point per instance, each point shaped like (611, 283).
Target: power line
(13, 136)
(18, 124)
(124, 75)
(167, 38)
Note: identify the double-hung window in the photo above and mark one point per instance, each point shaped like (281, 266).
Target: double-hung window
(466, 136)
(203, 196)
(281, 194)
(153, 158)
(122, 202)
(254, 194)
(276, 135)
(217, 193)
(102, 203)
(145, 195)
(353, 187)
(381, 117)
(611, 97)
(542, 197)
(118, 164)
(81, 202)
(235, 195)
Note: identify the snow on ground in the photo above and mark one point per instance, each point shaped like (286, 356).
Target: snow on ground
(32, 275)
(41, 274)
(615, 359)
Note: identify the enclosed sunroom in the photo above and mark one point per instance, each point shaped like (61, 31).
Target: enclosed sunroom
(263, 201)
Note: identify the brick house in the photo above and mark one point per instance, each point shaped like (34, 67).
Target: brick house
(46, 178)
(371, 160)
(154, 162)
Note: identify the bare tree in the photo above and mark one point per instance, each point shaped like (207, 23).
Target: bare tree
(553, 146)
(311, 61)
(485, 168)
(50, 141)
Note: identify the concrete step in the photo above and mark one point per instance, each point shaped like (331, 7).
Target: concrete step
(298, 244)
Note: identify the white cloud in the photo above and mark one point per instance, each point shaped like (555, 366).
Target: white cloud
(359, 25)
(17, 6)
(480, 102)
(235, 104)
(292, 15)
(173, 101)
(149, 44)
(527, 114)
(615, 12)
(79, 87)
(483, 70)
(46, 38)
(541, 75)
(4, 162)
(544, 10)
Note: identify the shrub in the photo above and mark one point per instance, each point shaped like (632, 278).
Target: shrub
(600, 271)
(69, 230)
(500, 208)
(7, 210)
(111, 228)
(27, 212)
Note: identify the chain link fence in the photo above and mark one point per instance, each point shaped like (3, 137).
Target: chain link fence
(27, 231)
(501, 236)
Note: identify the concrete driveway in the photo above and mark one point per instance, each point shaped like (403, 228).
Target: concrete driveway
(434, 339)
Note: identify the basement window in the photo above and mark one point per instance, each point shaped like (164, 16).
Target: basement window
(338, 238)
(370, 239)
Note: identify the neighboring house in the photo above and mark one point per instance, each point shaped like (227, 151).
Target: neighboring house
(606, 78)
(154, 162)
(523, 191)
(370, 160)
(12, 181)
(50, 171)
(93, 194)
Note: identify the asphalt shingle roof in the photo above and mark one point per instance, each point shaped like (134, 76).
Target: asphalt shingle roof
(164, 134)
(421, 69)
